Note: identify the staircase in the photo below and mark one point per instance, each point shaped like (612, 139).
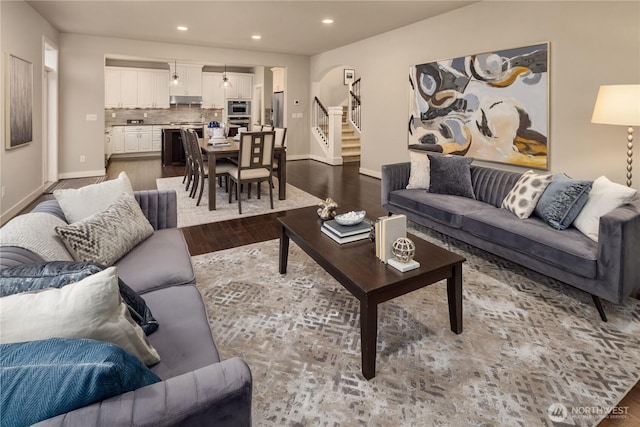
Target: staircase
(350, 141)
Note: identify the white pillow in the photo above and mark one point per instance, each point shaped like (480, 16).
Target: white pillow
(420, 175)
(604, 197)
(35, 231)
(82, 202)
(90, 308)
(524, 196)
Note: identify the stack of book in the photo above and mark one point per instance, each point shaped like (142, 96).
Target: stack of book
(387, 230)
(346, 233)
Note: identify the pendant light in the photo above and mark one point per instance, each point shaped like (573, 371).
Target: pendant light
(225, 80)
(175, 77)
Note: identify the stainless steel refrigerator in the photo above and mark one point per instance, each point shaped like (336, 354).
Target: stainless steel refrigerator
(277, 109)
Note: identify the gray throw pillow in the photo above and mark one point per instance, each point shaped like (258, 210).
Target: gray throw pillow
(107, 236)
(562, 201)
(451, 175)
(56, 274)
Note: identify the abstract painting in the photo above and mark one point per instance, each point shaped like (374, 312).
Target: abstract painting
(20, 102)
(491, 106)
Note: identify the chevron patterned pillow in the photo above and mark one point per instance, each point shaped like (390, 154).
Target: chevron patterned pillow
(107, 236)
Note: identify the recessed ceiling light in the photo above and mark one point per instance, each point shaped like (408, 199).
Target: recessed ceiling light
(256, 37)
(327, 21)
(182, 28)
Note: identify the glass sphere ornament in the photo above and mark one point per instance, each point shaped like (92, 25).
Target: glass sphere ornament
(403, 249)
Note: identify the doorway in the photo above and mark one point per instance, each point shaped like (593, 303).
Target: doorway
(49, 113)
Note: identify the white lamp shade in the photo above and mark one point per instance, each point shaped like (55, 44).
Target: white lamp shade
(617, 105)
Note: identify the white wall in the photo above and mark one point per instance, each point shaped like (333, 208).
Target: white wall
(21, 34)
(333, 91)
(82, 90)
(591, 43)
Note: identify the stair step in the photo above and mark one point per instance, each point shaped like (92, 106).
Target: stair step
(350, 138)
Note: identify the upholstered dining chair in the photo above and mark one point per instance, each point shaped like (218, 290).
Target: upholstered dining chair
(188, 169)
(255, 164)
(280, 141)
(266, 128)
(201, 167)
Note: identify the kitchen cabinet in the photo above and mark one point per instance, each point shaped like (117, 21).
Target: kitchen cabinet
(137, 139)
(153, 89)
(117, 139)
(278, 79)
(121, 88)
(189, 78)
(241, 86)
(213, 96)
(156, 138)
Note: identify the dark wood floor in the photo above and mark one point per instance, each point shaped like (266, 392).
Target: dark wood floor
(343, 184)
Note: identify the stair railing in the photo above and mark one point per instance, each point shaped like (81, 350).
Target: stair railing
(354, 113)
(320, 120)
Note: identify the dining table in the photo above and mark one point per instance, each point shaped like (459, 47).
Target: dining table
(231, 151)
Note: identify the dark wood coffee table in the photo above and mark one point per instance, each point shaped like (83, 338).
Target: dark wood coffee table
(356, 267)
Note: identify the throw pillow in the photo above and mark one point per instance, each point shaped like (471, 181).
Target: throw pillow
(56, 274)
(43, 379)
(420, 173)
(562, 201)
(604, 197)
(35, 231)
(107, 236)
(523, 197)
(450, 175)
(90, 308)
(82, 202)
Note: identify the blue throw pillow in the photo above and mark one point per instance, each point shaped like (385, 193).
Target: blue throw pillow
(562, 201)
(451, 175)
(42, 379)
(56, 274)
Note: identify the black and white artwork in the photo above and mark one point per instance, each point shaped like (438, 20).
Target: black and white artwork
(20, 102)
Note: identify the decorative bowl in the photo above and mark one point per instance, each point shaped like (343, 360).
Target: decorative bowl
(350, 218)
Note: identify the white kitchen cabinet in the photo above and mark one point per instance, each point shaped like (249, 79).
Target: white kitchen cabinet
(137, 139)
(241, 86)
(189, 78)
(278, 79)
(145, 89)
(117, 139)
(121, 88)
(156, 139)
(161, 89)
(213, 95)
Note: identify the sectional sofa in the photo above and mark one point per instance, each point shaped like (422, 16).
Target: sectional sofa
(197, 387)
(607, 269)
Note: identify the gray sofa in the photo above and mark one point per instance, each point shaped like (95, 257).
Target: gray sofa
(197, 387)
(607, 269)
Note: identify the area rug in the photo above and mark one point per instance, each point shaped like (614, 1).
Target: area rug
(533, 350)
(189, 214)
(74, 183)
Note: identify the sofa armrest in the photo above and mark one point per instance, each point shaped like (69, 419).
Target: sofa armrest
(618, 249)
(394, 177)
(216, 395)
(160, 207)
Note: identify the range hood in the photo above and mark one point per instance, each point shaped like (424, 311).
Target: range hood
(189, 100)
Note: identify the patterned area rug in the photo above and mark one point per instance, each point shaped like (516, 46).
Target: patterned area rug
(533, 350)
(189, 214)
(74, 183)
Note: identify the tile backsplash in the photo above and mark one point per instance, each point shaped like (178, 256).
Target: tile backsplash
(177, 113)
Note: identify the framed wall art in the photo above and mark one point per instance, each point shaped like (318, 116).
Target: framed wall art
(492, 106)
(349, 76)
(19, 108)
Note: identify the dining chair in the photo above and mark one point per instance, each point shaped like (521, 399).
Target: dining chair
(255, 164)
(280, 141)
(266, 128)
(188, 169)
(202, 168)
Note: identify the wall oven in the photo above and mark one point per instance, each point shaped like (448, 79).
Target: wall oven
(239, 108)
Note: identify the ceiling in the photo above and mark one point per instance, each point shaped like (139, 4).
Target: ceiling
(292, 27)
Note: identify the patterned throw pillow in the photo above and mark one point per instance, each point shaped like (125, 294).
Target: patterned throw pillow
(562, 201)
(451, 175)
(56, 274)
(107, 236)
(523, 197)
(420, 171)
(50, 377)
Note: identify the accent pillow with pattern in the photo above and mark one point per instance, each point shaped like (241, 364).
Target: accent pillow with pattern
(523, 197)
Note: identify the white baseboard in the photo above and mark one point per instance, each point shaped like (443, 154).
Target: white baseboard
(83, 174)
(369, 172)
(335, 161)
(298, 157)
(14, 210)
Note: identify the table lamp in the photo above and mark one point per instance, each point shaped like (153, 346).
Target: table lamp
(619, 105)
